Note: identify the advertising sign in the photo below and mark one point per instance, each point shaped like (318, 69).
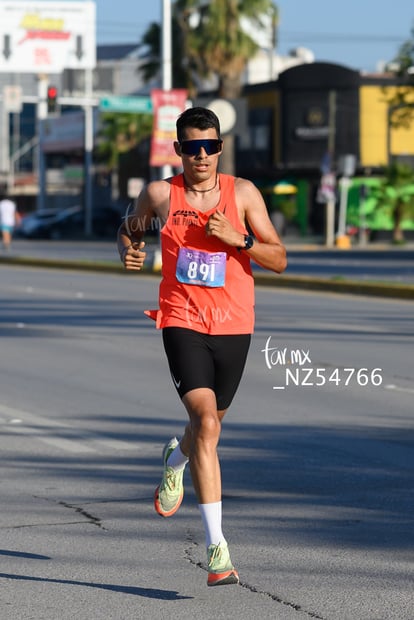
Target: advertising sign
(167, 106)
(46, 37)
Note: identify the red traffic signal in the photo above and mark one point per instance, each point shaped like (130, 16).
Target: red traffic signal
(52, 93)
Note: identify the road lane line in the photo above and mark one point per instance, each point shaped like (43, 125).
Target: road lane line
(397, 388)
(24, 422)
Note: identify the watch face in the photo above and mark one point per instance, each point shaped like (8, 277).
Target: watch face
(248, 242)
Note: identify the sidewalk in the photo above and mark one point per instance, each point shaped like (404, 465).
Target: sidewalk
(106, 250)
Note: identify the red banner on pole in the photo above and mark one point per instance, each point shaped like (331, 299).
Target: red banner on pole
(167, 106)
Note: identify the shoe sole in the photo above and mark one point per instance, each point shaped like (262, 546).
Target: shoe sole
(158, 507)
(223, 579)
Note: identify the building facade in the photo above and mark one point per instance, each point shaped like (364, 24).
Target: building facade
(316, 118)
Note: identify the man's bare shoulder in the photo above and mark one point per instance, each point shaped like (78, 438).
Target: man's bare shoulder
(157, 192)
(245, 189)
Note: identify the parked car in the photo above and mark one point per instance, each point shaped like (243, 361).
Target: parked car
(31, 225)
(70, 224)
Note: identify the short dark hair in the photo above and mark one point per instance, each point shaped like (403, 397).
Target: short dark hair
(198, 118)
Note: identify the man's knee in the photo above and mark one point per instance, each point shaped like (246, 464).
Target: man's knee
(206, 427)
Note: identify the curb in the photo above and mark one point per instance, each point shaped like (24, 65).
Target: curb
(355, 287)
(53, 263)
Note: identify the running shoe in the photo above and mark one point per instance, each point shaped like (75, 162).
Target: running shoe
(169, 494)
(220, 569)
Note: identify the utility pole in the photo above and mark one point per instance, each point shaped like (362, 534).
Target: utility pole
(166, 77)
(88, 138)
(42, 85)
(330, 205)
(166, 60)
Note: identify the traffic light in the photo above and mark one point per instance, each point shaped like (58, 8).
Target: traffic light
(52, 99)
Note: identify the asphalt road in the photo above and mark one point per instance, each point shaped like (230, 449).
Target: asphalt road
(375, 263)
(317, 459)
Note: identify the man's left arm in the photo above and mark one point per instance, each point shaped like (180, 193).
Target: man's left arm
(267, 250)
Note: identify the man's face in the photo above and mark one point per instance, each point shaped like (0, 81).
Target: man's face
(202, 160)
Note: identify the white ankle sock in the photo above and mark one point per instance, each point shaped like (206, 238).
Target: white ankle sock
(211, 516)
(177, 460)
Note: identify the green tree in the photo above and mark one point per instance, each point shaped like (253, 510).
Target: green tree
(216, 38)
(405, 58)
(395, 196)
(210, 38)
(401, 102)
(120, 132)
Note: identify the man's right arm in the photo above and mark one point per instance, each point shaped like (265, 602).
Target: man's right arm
(149, 204)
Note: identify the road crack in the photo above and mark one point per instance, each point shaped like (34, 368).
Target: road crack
(189, 551)
(88, 516)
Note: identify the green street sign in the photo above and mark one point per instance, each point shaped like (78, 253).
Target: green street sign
(126, 104)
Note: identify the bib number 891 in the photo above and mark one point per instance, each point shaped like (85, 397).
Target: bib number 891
(195, 270)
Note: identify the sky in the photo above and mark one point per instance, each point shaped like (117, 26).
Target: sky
(359, 34)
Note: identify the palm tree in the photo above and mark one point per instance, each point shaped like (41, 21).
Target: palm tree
(217, 41)
(151, 56)
(211, 39)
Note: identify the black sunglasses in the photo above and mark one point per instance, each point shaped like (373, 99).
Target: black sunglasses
(192, 147)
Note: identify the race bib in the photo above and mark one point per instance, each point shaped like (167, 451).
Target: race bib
(201, 268)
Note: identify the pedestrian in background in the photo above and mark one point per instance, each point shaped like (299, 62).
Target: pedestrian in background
(8, 218)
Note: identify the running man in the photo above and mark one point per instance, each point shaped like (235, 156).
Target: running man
(211, 225)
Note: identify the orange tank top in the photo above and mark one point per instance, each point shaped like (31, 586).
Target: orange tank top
(206, 285)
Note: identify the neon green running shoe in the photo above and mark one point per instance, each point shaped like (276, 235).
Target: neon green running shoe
(220, 569)
(169, 494)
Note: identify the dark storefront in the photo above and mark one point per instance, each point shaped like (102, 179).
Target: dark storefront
(319, 115)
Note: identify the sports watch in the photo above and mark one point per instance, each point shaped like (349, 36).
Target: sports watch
(248, 242)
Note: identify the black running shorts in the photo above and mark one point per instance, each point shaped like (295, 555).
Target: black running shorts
(199, 360)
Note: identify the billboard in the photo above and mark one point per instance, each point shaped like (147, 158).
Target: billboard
(167, 106)
(47, 37)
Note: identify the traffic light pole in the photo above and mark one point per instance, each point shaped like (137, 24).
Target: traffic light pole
(88, 102)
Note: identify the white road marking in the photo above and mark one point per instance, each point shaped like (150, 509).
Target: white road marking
(397, 388)
(45, 430)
